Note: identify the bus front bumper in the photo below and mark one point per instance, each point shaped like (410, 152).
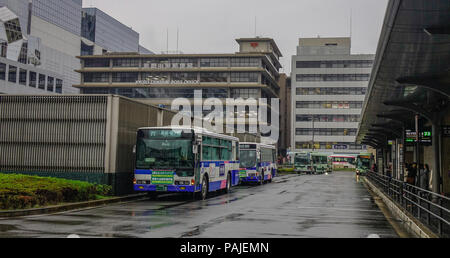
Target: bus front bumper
(250, 179)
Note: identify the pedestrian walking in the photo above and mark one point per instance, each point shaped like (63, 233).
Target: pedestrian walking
(412, 173)
(424, 177)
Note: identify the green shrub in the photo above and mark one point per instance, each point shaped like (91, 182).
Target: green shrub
(20, 191)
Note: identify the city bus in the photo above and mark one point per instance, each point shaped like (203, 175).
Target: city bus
(320, 163)
(303, 163)
(343, 162)
(185, 160)
(364, 163)
(258, 162)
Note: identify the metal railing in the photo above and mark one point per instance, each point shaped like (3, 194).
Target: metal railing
(430, 208)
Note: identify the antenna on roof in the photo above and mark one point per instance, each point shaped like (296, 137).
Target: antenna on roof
(167, 41)
(177, 38)
(351, 22)
(255, 25)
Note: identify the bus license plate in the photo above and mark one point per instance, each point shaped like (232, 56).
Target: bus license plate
(161, 188)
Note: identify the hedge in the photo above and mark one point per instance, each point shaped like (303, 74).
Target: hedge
(21, 191)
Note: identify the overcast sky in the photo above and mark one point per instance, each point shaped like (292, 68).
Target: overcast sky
(211, 26)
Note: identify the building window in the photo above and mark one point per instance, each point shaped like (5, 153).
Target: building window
(183, 77)
(325, 132)
(13, 30)
(245, 62)
(245, 93)
(3, 48)
(126, 62)
(332, 77)
(96, 77)
(97, 62)
(33, 79)
(41, 82)
(329, 104)
(125, 77)
(331, 91)
(214, 62)
(2, 71)
(59, 84)
(12, 74)
(244, 77)
(23, 77)
(335, 64)
(214, 77)
(50, 83)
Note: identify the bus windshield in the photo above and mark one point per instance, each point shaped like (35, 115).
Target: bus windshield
(320, 159)
(301, 160)
(248, 158)
(159, 153)
(363, 163)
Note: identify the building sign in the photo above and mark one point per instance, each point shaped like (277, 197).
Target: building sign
(446, 131)
(174, 82)
(254, 44)
(340, 147)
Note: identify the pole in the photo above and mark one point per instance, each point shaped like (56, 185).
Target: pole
(314, 145)
(417, 149)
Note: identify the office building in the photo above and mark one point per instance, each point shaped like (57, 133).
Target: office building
(329, 85)
(41, 39)
(102, 33)
(253, 72)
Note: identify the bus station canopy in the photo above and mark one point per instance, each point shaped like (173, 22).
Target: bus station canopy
(412, 67)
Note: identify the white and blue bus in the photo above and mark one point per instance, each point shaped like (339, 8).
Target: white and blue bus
(257, 162)
(185, 160)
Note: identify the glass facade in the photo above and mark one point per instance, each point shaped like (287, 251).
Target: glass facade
(107, 32)
(63, 13)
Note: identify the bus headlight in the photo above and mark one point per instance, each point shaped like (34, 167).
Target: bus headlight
(193, 182)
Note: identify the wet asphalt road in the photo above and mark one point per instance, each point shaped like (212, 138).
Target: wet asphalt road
(316, 206)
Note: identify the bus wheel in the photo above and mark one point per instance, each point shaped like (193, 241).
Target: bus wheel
(205, 186)
(228, 188)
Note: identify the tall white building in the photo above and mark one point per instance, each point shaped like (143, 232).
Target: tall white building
(328, 91)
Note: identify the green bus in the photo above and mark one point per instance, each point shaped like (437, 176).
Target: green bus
(364, 163)
(320, 163)
(302, 163)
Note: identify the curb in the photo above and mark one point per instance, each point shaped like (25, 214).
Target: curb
(411, 224)
(68, 207)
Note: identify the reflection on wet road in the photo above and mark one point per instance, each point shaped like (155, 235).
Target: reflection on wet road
(334, 205)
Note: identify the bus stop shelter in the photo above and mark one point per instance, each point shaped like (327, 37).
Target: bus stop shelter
(406, 115)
